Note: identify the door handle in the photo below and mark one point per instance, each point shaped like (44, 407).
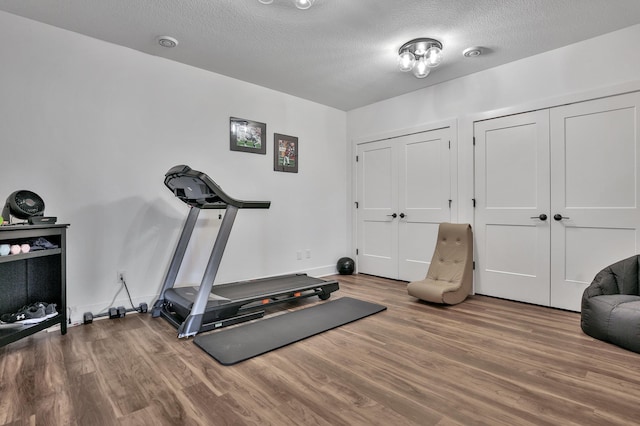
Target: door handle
(558, 216)
(542, 217)
(393, 215)
(402, 215)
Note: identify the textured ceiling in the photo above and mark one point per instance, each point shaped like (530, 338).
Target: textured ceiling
(340, 53)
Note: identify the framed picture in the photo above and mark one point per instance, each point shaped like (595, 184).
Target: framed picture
(248, 135)
(285, 153)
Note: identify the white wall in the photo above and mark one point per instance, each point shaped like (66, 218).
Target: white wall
(592, 68)
(92, 127)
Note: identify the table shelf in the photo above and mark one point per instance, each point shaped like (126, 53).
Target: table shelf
(36, 276)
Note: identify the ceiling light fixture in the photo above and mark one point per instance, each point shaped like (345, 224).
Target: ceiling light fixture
(300, 4)
(420, 55)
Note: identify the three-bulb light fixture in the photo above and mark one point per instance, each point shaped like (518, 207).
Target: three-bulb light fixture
(300, 4)
(420, 55)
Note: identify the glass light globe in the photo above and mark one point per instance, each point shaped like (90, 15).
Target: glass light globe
(406, 60)
(421, 70)
(266, 1)
(433, 56)
(303, 4)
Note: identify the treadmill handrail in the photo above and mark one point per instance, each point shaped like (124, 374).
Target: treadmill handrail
(219, 200)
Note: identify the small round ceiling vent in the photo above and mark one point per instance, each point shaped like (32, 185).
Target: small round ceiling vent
(167, 41)
(472, 52)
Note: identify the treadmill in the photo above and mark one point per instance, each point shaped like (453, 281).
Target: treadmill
(197, 309)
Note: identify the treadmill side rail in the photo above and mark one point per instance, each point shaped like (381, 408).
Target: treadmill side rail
(219, 313)
(329, 288)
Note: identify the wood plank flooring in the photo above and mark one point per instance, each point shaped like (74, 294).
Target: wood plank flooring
(485, 361)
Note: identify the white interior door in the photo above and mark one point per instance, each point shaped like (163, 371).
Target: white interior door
(403, 193)
(512, 207)
(424, 198)
(377, 188)
(595, 153)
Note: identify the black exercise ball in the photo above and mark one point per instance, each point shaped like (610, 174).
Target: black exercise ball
(345, 266)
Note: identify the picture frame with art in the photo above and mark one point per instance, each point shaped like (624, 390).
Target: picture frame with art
(247, 135)
(285, 153)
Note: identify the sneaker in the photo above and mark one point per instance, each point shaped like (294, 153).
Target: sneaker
(50, 309)
(41, 243)
(26, 315)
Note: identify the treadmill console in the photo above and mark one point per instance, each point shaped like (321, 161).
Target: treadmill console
(199, 190)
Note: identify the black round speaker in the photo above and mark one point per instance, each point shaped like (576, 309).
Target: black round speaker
(24, 204)
(345, 266)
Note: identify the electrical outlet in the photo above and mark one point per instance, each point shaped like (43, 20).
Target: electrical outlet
(299, 253)
(121, 277)
(308, 253)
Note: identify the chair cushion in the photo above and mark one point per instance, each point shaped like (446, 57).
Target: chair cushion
(432, 290)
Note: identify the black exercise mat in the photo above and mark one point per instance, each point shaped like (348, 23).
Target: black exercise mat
(240, 343)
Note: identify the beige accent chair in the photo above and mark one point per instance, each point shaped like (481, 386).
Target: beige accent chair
(450, 276)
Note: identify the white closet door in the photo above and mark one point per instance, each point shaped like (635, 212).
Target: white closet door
(377, 201)
(512, 192)
(404, 187)
(424, 194)
(595, 153)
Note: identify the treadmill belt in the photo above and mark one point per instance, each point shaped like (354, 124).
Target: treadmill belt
(265, 286)
(238, 344)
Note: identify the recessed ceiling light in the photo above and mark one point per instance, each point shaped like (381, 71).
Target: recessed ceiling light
(472, 52)
(167, 41)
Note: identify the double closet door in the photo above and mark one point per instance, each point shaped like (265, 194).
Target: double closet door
(557, 195)
(403, 194)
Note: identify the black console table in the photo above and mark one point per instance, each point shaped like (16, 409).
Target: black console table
(36, 276)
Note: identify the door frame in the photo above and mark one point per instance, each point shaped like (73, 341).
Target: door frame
(450, 123)
(466, 125)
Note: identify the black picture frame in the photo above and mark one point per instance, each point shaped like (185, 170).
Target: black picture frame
(247, 135)
(286, 156)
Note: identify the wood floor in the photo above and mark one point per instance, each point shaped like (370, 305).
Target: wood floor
(485, 361)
